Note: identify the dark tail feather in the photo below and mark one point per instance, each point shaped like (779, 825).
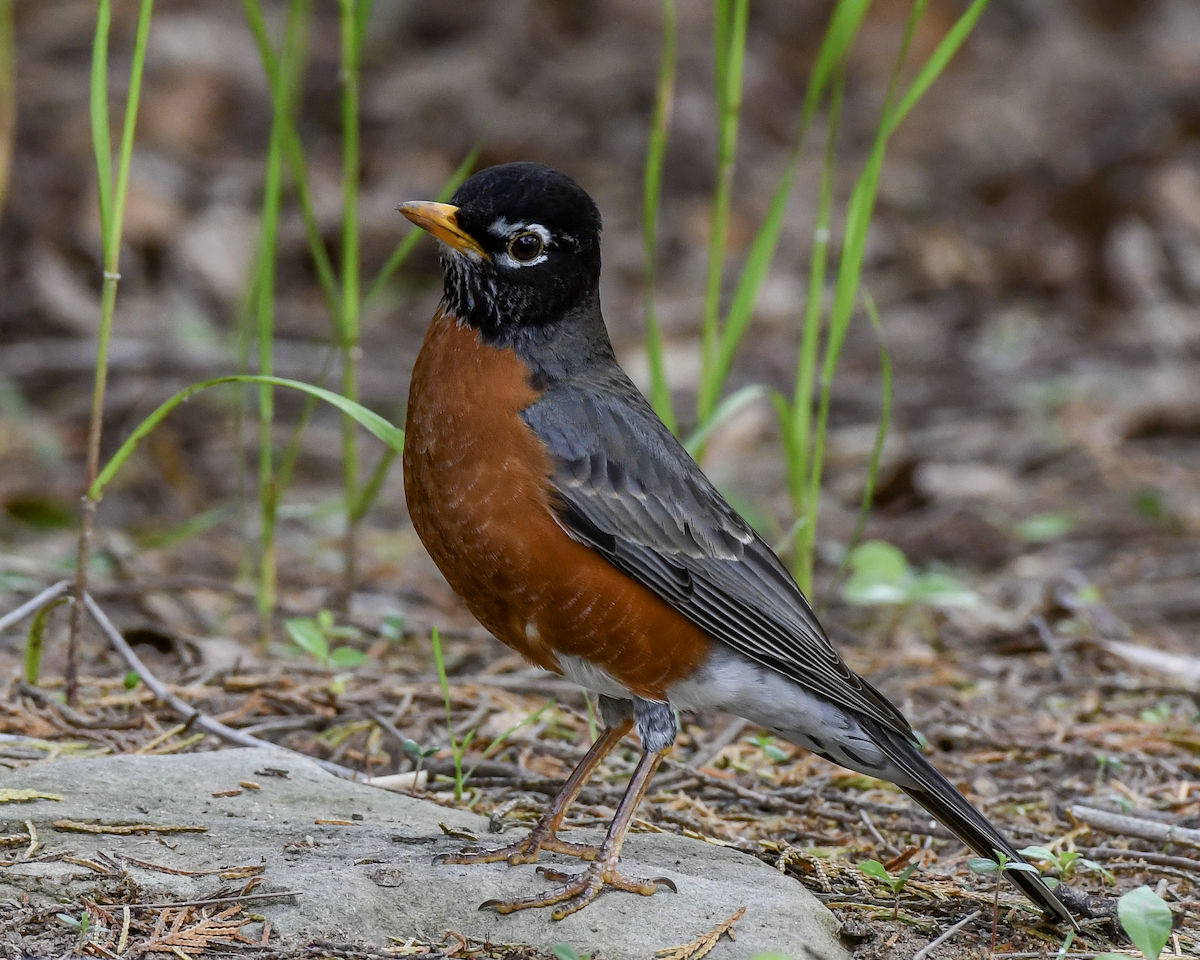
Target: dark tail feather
(938, 795)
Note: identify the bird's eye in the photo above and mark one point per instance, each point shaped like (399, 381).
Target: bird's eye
(525, 247)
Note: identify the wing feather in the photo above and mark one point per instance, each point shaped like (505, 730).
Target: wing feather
(626, 488)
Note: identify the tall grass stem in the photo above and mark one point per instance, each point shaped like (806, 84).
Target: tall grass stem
(353, 18)
(112, 213)
(660, 393)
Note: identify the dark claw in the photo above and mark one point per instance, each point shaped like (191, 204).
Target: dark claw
(488, 904)
(669, 884)
(556, 876)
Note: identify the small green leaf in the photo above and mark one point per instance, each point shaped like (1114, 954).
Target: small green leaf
(774, 752)
(347, 658)
(307, 634)
(564, 951)
(1023, 867)
(132, 679)
(941, 590)
(879, 560)
(392, 627)
(1038, 853)
(908, 872)
(982, 865)
(1045, 527)
(873, 868)
(1147, 920)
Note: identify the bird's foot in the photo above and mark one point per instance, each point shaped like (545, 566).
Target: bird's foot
(577, 890)
(541, 837)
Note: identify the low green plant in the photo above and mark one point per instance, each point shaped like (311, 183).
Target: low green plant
(1147, 920)
(1159, 713)
(112, 191)
(392, 628)
(881, 575)
(1045, 527)
(457, 748)
(766, 744)
(1066, 862)
(418, 755)
(998, 865)
(314, 635)
(564, 951)
(34, 642)
(875, 869)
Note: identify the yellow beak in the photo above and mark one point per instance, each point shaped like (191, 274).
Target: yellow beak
(440, 220)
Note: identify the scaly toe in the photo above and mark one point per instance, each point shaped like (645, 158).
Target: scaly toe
(577, 890)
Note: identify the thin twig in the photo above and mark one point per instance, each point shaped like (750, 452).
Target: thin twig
(186, 710)
(707, 753)
(1148, 856)
(32, 606)
(934, 944)
(216, 900)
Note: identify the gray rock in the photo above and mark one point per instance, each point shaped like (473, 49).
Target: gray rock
(375, 879)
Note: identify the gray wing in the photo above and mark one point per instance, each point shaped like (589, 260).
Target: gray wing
(628, 489)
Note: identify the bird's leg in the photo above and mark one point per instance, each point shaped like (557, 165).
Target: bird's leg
(544, 835)
(578, 890)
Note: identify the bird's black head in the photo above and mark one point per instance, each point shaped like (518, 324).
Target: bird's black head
(521, 248)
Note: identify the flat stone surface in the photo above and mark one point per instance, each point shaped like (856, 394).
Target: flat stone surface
(375, 879)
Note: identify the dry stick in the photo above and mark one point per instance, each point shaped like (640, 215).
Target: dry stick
(1134, 826)
(934, 944)
(1149, 856)
(215, 900)
(32, 606)
(193, 716)
(707, 753)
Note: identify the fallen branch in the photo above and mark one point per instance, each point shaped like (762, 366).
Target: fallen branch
(190, 714)
(1147, 856)
(1120, 825)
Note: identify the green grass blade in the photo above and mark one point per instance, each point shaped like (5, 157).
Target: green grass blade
(268, 493)
(98, 102)
(291, 453)
(730, 43)
(758, 262)
(731, 405)
(858, 222)
(294, 151)
(370, 421)
(117, 212)
(937, 62)
(35, 640)
(798, 435)
(372, 487)
(660, 394)
(405, 246)
(362, 16)
(531, 719)
(839, 37)
(841, 33)
(885, 420)
(348, 330)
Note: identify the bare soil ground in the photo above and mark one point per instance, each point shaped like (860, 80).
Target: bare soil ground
(1036, 259)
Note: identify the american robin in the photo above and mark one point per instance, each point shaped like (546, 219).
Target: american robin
(578, 530)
